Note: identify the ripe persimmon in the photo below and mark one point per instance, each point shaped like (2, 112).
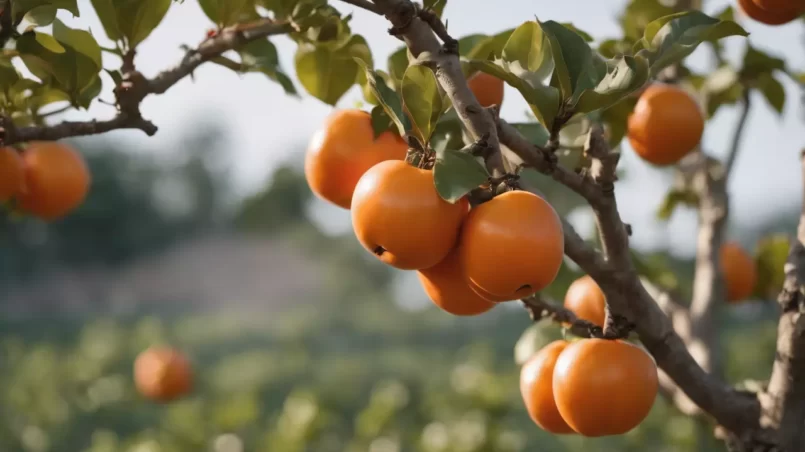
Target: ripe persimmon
(11, 173)
(163, 374)
(585, 298)
(57, 180)
(536, 387)
(666, 124)
(772, 12)
(512, 246)
(604, 387)
(342, 150)
(447, 288)
(739, 271)
(398, 216)
(487, 88)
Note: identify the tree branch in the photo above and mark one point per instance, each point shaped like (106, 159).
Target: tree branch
(729, 161)
(784, 400)
(135, 87)
(425, 48)
(364, 4)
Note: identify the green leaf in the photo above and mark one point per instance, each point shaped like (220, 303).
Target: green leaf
(628, 74)
(41, 15)
(528, 48)
(770, 257)
(544, 101)
(421, 99)
(456, 173)
(612, 48)
(575, 69)
(80, 41)
(261, 56)
(534, 132)
(721, 87)
(389, 100)
(19, 8)
(328, 72)
(138, 19)
(108, 14)
(756, 63)
(773, 91)
(398, 63)
(437, 6)
(615, 120)
(381, 122)
(584, 35)
(49, 42)
(8, 73)
(640, 13)
(226, 12)
(89, 92)
(481, 47)
(671, 38)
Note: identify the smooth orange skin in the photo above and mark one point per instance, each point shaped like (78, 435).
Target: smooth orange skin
(739, 271)
(604, 387)
(57, 180)
(448, 289)
(666, 125)
(771, 12)
(11, 173)
(536, 387)
(342, 150)
(488, 296)
(396, 207)
(585, 299)
(488, 89)
(162, 374)
(512, 246)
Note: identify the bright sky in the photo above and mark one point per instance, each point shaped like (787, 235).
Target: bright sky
(267, 127)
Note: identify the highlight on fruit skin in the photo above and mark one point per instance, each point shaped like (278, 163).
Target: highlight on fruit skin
(604, 387)
(12, 173)
(447, 288)
(666, 124)
(399, 217)
(342, 150)
(739, 271)
(772, 12)
(57, 180)
(536, 388)
(163, 374)
(501, 240)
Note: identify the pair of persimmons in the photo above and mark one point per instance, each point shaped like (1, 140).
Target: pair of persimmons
(47, 180)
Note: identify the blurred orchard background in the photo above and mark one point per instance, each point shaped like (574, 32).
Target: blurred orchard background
(206, 237)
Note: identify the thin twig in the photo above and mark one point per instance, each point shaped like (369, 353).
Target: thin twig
(364, 4)
(735, 144)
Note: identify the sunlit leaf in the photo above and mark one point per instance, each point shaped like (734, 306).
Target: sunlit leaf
(456, 173)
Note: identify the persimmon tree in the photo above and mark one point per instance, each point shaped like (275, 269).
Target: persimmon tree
(440, 95)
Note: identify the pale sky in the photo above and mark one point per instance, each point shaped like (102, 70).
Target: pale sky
(267, 127)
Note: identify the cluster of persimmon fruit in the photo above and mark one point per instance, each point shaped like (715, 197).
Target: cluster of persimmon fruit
(47, 179)
(772, 12)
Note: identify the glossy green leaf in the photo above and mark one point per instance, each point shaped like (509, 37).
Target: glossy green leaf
(482, 47)
(398, 63)
(584, 35)
(41, 15)
(672, 200)
(670, 39)
(639, 13)
(528, 50)
(575, 69)
(226, 12)
(756, 62)
(8, 73)
(107, 11)
(49, 42)
(628, 74)
(773, 91)
(770, 257)
(80, 41)
(421, 100)
(328, 72)
(20, 8)
(544, 101)
(261, 56)
(138, 19)
(388, 98)
(535, 132)
(456, 173)
(381, 122)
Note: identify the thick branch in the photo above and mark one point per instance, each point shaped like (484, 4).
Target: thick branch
(135, 87)
(425, 48)
(784, 400)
